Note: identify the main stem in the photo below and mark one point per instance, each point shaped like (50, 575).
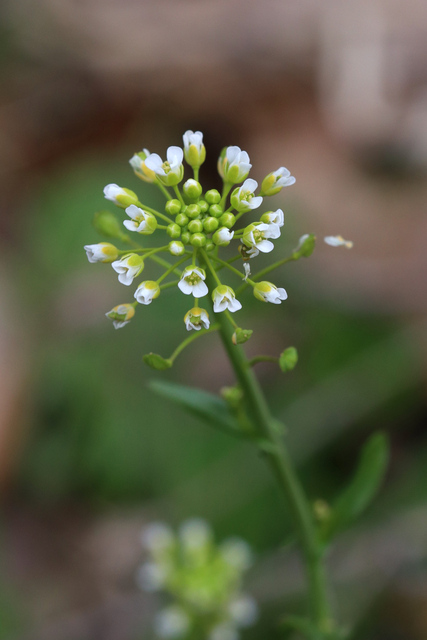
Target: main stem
(281, 465)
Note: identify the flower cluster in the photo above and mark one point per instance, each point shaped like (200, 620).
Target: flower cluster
(198, 224)
(202, 579)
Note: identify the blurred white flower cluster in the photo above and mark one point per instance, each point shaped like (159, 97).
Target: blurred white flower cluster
(202, 579)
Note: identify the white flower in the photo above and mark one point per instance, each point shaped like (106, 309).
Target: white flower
(158, 536)
(101, 252)
(147, 291)
(338, 241)
(224, 298)
(243, 198)
(194, 149)
(196, 319)
(195, 533)
(243, 611)
(237, 553)
(268, 292)
(247, 268)
(141, 222)
(274, 217)
(128, 268)
(171, 171)
(275, 181)
(121, 315)
(224, 631)
(172, 622)
(222, 237)
(233, 165)
(151, 576)
(192, 282)
(120, 196)
(255, 237)
(137, 162)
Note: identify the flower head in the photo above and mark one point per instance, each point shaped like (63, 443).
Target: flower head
(171, 171)
(176, 248)
(193, 282)
(120, 196)
(338, 241)
(243, 198)
(147, 291)
(224, 298)
(101, 252)
(194, 149)
(233, 165)
(128, 268)
(141, 221)
(222, 237)
(268, 292)
(275, 181)
(274, 217)
(121, 315)
(196, 319)
(137, 162)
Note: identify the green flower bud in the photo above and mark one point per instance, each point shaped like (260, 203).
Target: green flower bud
(194, 149)
(176, 248)
(173, 230)
(275, 181)
(210, 246)
(192, 189)
(155, 361)
(198, 240)
(216, 210)
(107, 225)
(288, 359)
(173, 207)
(305, 246)
(181, 219)
(203, 206)
(195, 226)
(241, 335)
(120, 196)
(193, 211)
(213, 196)
(210, 224)
(186, 236)
(228, 220)
(222, 237)
(232, 395)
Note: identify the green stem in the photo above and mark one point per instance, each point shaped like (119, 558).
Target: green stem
(225, 191)
(178, 195)
(275, 265)
(155, 213)
(171, 268)
(281, 465)
(190, 339)
(196, 173)
(254, 361)
(228, 266)
(163, 190)
(166, 264)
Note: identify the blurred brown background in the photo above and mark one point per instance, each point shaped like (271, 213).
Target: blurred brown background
(336, 92)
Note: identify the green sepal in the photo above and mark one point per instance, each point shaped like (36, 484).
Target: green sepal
(241, 335)
(306, 248)
(204, 405)
(288, 359)
(157, 362)
(362, 489)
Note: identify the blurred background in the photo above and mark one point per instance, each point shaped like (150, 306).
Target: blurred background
(337, 93)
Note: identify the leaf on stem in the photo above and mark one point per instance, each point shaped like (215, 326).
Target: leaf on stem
(155, 361)
(362, 489)
(206, 406)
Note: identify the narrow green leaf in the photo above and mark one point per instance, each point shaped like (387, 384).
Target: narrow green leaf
(155, 361)
(361, 491)
(206, 406)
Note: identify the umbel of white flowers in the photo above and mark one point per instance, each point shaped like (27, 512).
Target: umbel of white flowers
(202, 579)
(196, 225)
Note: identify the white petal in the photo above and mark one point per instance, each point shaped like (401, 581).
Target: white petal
(273, 231)
(133, 211)
(234, 305)
(265, 246)
(175, 156)
(200, 289)
(154, 162)
(130, 225)
(255, 202)
(185, 287)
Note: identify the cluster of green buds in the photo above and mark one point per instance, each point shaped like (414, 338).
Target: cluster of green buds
(198, 224)
(201, 579)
